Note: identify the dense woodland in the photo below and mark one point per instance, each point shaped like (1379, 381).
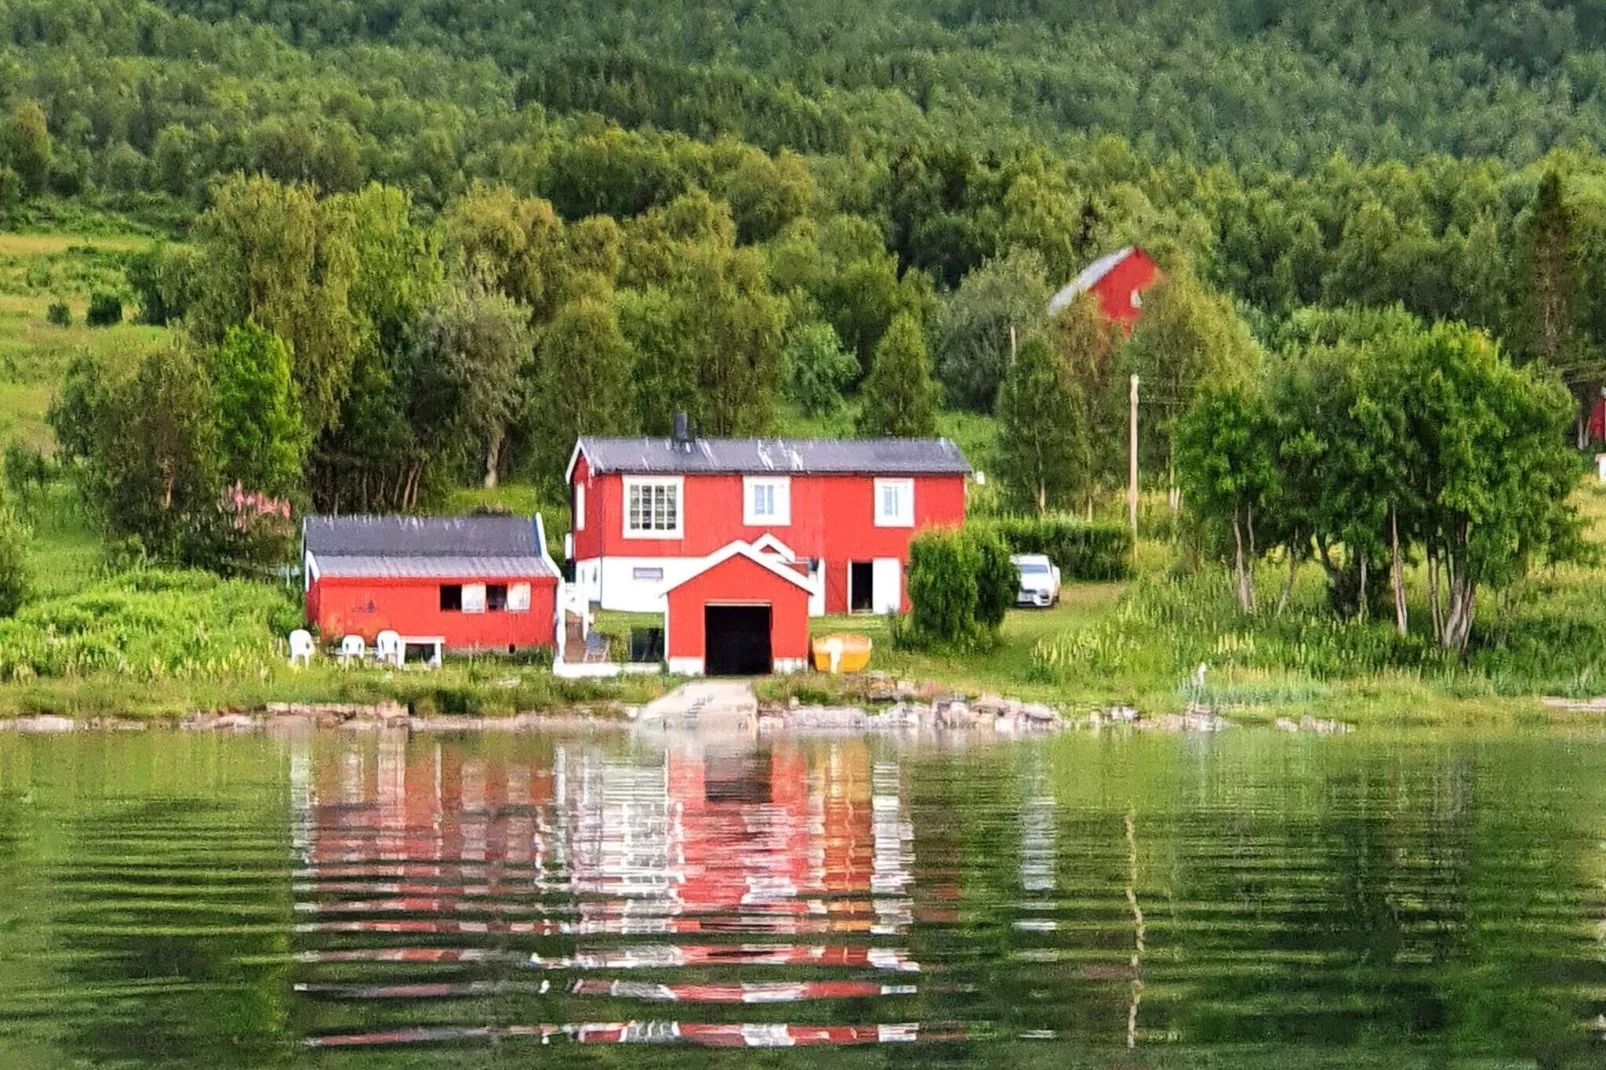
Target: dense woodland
(412, 245)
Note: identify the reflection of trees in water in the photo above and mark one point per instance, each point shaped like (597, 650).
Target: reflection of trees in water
(170, 906)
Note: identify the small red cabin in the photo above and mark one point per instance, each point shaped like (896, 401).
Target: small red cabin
(1118, 281)
(743, 612)
(462, 583)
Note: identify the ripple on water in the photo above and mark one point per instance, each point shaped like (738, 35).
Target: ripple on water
(209, 902)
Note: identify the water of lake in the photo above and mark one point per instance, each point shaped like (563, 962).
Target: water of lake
(1244, 899)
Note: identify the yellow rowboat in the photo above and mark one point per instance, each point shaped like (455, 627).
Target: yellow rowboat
(841, 652)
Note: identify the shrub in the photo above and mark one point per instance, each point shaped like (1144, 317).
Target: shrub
(943, 565)
(997, 579)
(1082, 550)
(961, 583)
(15, 582)
(58, 314)
(105, 310)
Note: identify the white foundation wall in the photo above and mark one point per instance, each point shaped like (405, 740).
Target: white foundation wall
(612, 582)
(618, 588)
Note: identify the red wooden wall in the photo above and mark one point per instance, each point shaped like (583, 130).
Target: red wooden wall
(366, 607)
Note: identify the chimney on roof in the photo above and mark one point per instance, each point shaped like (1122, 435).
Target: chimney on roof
(682, 434)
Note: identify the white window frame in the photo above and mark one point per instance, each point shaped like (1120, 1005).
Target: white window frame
(780, 488)
(579, 507)
(678, 485)
(518, 598)
(905, 516)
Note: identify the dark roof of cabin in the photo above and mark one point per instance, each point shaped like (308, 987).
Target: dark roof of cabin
(777, 456)
(375, 545)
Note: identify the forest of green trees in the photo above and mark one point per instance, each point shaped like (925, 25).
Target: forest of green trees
(415, 245)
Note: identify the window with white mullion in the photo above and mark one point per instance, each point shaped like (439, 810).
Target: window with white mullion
(652, 508)
(767, 501)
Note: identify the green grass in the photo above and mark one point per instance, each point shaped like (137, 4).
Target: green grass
(68, 553)
(37, 270)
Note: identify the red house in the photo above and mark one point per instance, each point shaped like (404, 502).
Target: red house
(462, 583)
(648, 512)
(1118, 281)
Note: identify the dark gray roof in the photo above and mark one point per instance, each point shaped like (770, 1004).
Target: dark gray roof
(445, 538)
(781, 456)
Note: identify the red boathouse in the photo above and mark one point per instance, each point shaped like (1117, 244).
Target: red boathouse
(744, 612)
(1118, 281)
(465, 583)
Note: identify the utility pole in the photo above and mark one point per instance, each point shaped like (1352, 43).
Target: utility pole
(1132, 473)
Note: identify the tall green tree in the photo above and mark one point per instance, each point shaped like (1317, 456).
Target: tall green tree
(1548, 284)
(1042, 439)
(468, 351)
(1227, 464)
(899, 398)
(1186, 338)
(584, 385)
(278, 255)
(998, 303)
(262, 442)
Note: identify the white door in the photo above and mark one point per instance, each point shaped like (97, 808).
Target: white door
(817, 593)
(886, 590)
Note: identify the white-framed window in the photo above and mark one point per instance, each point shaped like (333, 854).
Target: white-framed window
(767, 501)
(1137, 299)
(518, 598)
(647, 575)
(473, 598)
(579, 507)
(653, 508)
(894, 503)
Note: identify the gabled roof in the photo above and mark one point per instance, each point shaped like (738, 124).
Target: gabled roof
(739, 548)
(426, 546)
(772, 456)
(1088, 278)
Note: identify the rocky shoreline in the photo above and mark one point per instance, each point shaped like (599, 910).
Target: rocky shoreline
(884, 706)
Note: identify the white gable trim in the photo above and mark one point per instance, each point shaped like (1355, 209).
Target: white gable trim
(574, 459)
(747, 550)
(768, 541)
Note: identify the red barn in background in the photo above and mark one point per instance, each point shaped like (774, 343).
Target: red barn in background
(465, 583)
(1118, 281)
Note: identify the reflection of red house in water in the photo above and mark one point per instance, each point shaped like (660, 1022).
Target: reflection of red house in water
(713, 861)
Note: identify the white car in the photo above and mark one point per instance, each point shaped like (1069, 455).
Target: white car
(1039, 580)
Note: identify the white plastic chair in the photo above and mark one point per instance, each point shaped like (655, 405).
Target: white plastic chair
(388, 647)
(352, 648)
(301, 647)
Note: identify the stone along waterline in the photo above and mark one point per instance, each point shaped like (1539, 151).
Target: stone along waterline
(368, 900)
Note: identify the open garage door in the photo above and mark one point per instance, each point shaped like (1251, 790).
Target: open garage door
(737, 640)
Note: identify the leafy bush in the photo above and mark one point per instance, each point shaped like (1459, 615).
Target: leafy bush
(942, 587)
(26, 469)
(961, 583)
(150, 625)
(997, 578)
(1082, 550)
(818, 369)
(15, 583)
(105, 310)
(58, 314)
